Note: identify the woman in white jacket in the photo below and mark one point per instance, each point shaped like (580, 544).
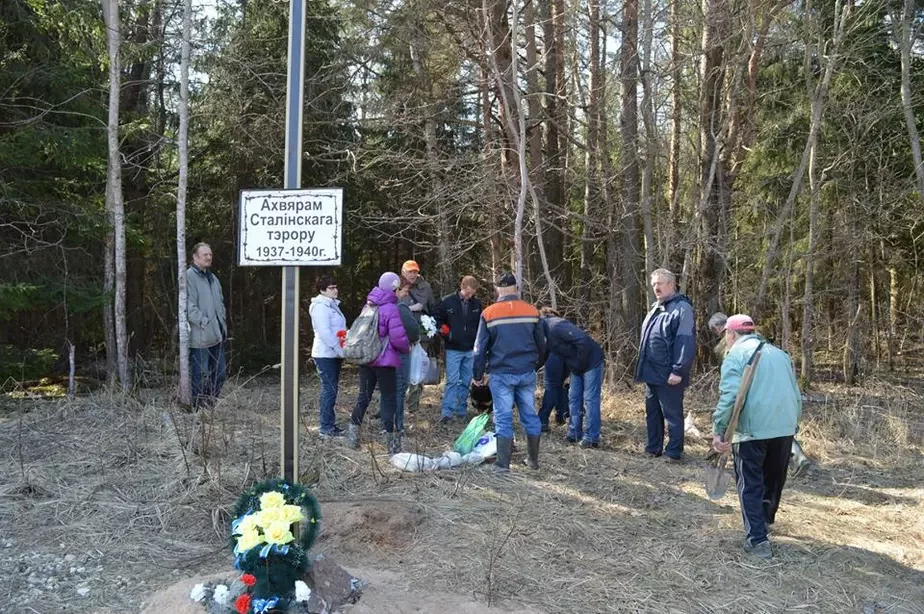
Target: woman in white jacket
(329, 326)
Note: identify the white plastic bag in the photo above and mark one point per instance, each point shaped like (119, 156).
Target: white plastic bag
(420, 365)
(408, 461)
(486, 446)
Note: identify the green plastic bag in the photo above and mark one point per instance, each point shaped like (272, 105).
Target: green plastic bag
(472, 433)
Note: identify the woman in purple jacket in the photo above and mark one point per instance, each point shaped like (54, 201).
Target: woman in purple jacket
(382, 370)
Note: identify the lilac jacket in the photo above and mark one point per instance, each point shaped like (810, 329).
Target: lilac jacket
(391, 330)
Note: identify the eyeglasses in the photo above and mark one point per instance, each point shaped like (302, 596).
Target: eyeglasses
(331, 287)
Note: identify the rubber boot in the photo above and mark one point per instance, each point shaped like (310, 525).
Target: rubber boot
(532, 451)
(352, 436)
(504, 448)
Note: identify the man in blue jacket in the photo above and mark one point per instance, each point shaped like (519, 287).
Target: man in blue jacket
(666, 353)
(766, 425)
(583, 358)
(457, 318)
(510, 346)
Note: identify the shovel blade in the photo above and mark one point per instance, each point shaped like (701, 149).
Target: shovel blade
(717, 479)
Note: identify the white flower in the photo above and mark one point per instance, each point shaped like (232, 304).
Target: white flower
(302, 592)
(222, 595)
(198, 592)
(428, 324)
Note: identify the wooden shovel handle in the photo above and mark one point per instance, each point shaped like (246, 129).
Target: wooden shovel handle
(742, 394)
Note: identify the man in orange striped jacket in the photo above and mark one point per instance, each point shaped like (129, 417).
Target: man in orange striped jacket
(510, 346)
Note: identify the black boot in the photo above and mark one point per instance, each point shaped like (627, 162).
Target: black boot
(504, 448)
(532, 451)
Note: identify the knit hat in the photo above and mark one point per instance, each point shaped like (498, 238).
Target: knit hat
(389, 281)
(507, 280)
(740, 323)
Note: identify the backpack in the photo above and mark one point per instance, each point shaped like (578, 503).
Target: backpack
(363, 344)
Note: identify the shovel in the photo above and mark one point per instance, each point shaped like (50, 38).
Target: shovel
(717, 477)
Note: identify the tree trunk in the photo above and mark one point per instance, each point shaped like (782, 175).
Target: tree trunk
(905, 44)
(115, 206)
(183, 146)
(552, 16)
(808, 297)
(629, 172)
(592, 157)
(713, 189)
(851, 361)
(672, 257)
(651, 142)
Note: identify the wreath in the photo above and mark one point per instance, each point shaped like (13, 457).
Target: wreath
(275, 524)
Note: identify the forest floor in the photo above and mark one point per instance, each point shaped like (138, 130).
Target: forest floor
(102, 508)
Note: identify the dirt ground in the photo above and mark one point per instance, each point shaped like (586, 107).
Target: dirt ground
(103, 508)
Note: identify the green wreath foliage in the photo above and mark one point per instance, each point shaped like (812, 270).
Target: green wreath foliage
(276, 571)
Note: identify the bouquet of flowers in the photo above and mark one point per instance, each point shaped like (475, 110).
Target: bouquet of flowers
(341, 336)
(275, 524)
(428, 325)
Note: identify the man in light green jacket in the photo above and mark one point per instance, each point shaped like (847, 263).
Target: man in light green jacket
(205, 311)
(766, 425)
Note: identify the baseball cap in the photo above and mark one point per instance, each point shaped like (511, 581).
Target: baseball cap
(740, 323)
(506, 280)
(410, 265)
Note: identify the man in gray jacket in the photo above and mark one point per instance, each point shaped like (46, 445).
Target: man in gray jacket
(205, 311)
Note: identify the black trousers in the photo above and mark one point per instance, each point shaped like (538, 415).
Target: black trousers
(386, 379)
(760, 474)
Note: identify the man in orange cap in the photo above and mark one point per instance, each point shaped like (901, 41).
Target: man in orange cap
(420, 300)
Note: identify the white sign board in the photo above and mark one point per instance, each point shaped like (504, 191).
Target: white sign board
(290, 227)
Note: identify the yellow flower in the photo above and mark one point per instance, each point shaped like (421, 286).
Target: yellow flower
(248, 540)
(271, 499)
(266, 517)
(278, 533)
(248, 523)
(292, 513)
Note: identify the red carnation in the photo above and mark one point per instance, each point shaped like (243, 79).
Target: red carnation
(341, 333)
(249, 579)
(444, 330)
(242, 605)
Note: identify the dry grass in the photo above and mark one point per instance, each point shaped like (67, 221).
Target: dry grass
(593, 531)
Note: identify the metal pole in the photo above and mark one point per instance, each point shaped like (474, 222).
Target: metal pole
(290, 274)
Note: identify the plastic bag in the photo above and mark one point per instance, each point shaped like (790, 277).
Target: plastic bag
(433, 372)
(420, 365)
(487, 445)
(472, 433)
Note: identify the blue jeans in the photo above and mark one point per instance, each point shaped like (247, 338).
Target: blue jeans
(585, 390)
(553, 380)
(664, 403)
(401, 379)
(209, 371)
(329, 373)
(458, 377)
(507, 389)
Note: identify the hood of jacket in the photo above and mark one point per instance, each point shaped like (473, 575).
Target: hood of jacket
(380, 297)
(325, 300)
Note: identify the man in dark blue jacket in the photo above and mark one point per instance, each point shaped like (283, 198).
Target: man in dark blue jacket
(510, 347)
(666, 354)
(583, 358)
(457, 318)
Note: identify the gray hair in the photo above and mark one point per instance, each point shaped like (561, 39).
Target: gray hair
(718, 320)
(664, 275)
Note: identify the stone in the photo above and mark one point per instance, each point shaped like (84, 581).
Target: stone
(83, 591)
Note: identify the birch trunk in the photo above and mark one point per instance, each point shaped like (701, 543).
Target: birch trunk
(184, 391)
(114, 204)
